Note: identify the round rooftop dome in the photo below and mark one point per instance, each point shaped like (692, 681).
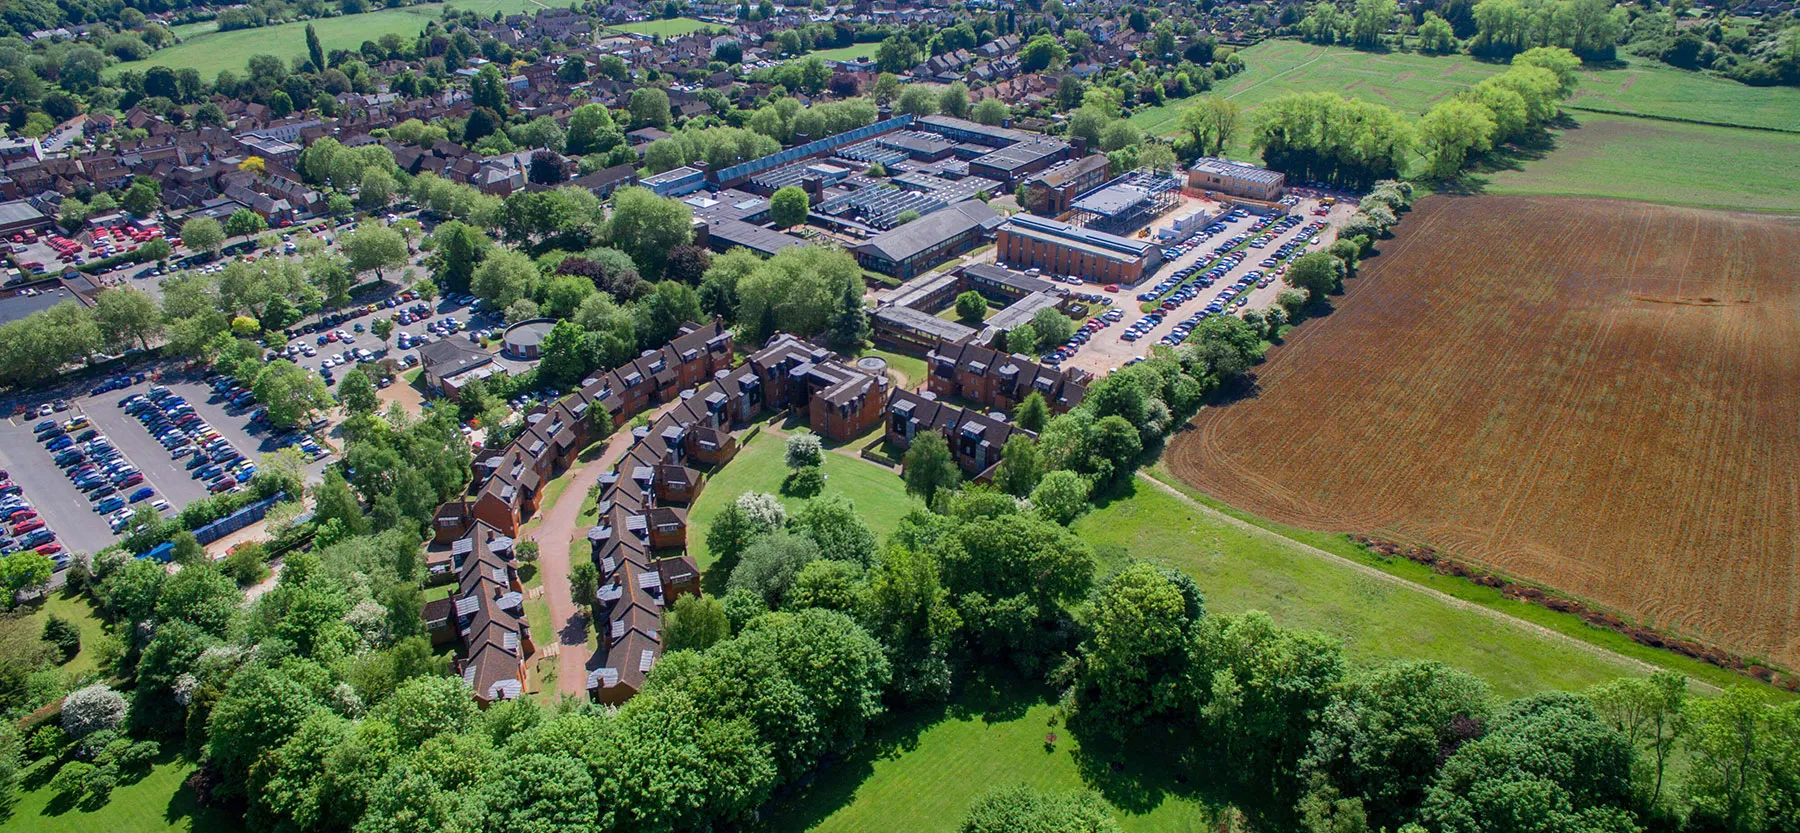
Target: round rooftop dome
(526, 338)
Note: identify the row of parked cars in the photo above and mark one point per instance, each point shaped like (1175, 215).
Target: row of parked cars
(23, 529)
(114, 486)
(172, 420)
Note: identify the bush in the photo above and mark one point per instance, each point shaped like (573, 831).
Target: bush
(805, 451)
(92, 709)
(63, 634)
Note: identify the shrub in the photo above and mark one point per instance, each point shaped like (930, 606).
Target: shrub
(63, 634)
(92, 709)
(805, 451)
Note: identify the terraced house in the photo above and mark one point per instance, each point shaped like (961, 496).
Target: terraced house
(975, 438)
(485, 615)
(994, 379)
(507, 486)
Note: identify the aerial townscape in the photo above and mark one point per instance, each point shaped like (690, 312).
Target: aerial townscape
(860, 416)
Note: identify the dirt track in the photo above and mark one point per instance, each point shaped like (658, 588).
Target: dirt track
(1599, 396)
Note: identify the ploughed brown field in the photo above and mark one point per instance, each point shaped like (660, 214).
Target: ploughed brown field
(1599, 396)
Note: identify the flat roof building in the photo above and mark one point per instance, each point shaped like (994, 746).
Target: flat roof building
(1031, 242)
(675, 183)
(907, 250)
(1011, 164)
(1236, 179)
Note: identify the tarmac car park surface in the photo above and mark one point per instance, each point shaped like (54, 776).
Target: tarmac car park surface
(1106, 351)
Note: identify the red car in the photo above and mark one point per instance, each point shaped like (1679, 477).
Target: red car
(21, 515)
(51, 548)
(27, 525)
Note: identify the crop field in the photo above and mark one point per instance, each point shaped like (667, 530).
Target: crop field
(1620, 156)
(212, 51)
(667, 28)
(1413, 83)
(1593, 395)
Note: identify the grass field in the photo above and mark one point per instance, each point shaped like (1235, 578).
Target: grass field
(1241, 570)
(1646, 88)
(209, 51)
(1413, 83)
(29, 628)
(846, 53)
(1619, 156)
(920, 774)
(666, 28)
(1568, 624)
(1634, 456)
(160, 803)
(879, 494)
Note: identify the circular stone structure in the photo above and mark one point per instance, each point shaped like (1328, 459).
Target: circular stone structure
(525, 339)
(873, 365)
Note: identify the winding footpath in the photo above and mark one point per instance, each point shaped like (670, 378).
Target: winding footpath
(1437, 595)
(561, 539)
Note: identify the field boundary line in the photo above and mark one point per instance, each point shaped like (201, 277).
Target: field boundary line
(1438, 595)
(1679, 119)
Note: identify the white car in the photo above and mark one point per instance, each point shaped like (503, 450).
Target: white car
(329, 362)
(159, 505)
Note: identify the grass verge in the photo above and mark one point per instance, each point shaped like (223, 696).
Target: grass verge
(1468, 591)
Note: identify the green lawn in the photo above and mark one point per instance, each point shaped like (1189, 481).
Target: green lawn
(1619, 156)
(878, 493)
(846, 53)
(78, 609)
(1413, 83)
(912, 367)
(666, 28)
(1242, 570)
(1468, 591)
(210, 51)
(1647, 88)
(160, 802)
(920, 774)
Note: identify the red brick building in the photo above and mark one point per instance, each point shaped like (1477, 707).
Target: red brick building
(840, 401)
(1031, 242)
(994, 379)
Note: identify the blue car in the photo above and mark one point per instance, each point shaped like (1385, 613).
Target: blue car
(111, 504)
(59, 443)
(143, 494)
(207, 472)
(36, 538)
(45, 427)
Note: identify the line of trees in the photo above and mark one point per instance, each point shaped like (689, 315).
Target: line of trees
(1353, 143)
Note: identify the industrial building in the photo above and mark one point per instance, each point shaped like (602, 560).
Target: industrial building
(1030, 242)
(1236, 179)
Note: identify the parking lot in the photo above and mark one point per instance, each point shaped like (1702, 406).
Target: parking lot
(68, 509)
(334, 346)
(1106, 350)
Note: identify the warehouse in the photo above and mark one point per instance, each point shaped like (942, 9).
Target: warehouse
(1030, 242)
(1236, 179)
